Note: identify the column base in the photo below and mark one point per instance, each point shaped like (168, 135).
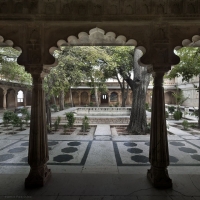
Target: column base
(37, 177)
(159, 178)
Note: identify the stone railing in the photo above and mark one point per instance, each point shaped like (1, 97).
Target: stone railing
(103, 111)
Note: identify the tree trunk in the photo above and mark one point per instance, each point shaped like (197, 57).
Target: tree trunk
(54, 100)
(62, 99)
(139, 85)
(96, 96)
(124, 94)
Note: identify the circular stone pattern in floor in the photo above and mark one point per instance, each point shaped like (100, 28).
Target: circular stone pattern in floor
(196, 157)
(69, 150)
(17, 150)
(63, 158)
(25, 144)
(74, 144)
(130, 144)
(52, 143)
(178, 144)
(5, 157)
(173, 159)
(134, 150)
(25, 159)
(140, 159)
(188, 150)
(147, 143)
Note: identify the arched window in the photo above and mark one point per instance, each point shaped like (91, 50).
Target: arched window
(20, 96)
(113, 96)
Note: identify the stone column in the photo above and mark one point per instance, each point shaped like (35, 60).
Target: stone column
(38, 154)
(25, 92)
(158, 154)
(79, 98)
(4, 99)
(16, 93)
(109, 98)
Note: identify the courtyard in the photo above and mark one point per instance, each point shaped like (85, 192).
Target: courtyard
(101, 164)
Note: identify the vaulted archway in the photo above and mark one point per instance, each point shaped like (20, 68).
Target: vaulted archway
(158, 26)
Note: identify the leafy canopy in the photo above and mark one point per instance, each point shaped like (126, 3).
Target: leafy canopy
(9, 69)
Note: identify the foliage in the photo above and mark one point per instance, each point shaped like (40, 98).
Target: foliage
(55, 107)
(10, 70)
(119, 66)
(17, 121)
(65, 128)
(185, 124)
(85, 124)
(146, 106)
(177, 115)
(179, 97)
(91, 104)
(171, 109)
(7, 117)
(189, 65)
(196, 112)
(57, 123)
(70, 119)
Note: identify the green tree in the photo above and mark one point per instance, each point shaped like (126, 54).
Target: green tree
(10, 70)
(188, 67)
(120, 60)
(138, 85)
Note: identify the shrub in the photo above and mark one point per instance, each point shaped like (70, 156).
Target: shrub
(171, 109)
(56, 123)
(185, 124)
(65, 128)
(196, 113)
(91, 104)
(85, 123)
(70, 118)
(116, 104)
(55, 107)
(178, 115)
(7, 117)
(146, 106)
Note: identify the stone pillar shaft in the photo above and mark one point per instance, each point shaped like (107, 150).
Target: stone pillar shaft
(16, 93)
(38, 148)
(25, 98)
(159, 154)
(4, 99)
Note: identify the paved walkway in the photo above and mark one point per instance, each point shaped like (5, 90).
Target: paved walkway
(100, 166)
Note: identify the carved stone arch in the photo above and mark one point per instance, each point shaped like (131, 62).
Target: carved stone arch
(96, 37)
(8, 43)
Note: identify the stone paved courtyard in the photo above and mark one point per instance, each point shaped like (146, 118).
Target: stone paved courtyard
(98, 159)
(101, 149)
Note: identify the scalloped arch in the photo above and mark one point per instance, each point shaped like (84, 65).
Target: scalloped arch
(195, 42)
(8, 43)
(96, 37)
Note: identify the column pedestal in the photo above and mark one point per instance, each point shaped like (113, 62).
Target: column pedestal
(158, 154)
(38, 147)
